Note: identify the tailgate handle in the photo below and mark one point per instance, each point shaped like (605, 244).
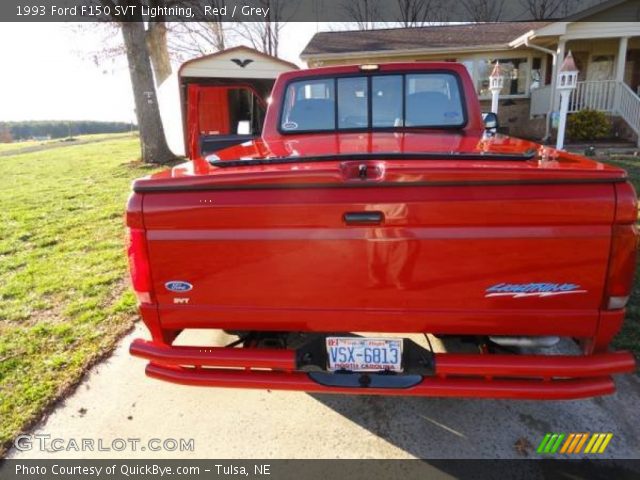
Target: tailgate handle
(363, 218)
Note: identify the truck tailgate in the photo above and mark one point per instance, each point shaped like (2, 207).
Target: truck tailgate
(499, 259)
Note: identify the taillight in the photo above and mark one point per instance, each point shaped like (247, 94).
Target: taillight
(624, 247)
(622, 265)
(139, 264)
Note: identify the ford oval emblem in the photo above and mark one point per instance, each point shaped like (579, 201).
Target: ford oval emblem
(178, 286)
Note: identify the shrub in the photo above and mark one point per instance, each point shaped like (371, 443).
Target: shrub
(588, 125)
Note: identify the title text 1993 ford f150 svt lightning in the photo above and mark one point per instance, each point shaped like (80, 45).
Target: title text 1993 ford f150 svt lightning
(375, 205)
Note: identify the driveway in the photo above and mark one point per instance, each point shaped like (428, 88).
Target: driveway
(116, 401)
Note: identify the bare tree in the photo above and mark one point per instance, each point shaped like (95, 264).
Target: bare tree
(547, 9)
(108, 38)
(483, 10)
(155, 36)
(152, 138)
(191, 39)
(138, 44)
(363, 12)
(416, 13)
(265, 35)
(156, 39)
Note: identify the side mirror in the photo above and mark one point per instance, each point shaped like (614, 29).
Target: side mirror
(490, 120)
(244, 127)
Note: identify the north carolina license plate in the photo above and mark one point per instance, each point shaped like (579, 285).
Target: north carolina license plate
(363, 354)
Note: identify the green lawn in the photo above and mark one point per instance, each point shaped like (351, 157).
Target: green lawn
(18, 146)
(629, 337)
(63, 298)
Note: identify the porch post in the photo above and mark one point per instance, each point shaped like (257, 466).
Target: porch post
(554, 77)
(622, 58)
(620, 64)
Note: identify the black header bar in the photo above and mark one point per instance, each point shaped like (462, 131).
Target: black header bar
(369, 12)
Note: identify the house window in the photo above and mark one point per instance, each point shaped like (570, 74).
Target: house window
(515, 71)
(600, 68)
(536, 74)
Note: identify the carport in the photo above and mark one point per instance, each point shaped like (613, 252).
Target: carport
(224, 97)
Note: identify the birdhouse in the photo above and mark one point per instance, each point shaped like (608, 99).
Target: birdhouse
(568, 74)
(567, 81)
(496, 80)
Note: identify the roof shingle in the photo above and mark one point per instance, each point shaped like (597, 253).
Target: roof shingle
(439, 36)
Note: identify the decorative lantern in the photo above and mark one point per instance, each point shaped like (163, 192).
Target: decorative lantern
(496, 82)
(566, 83)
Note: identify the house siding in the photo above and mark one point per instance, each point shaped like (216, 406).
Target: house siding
(514, 117)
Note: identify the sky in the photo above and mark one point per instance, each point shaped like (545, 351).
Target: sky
(47, 72)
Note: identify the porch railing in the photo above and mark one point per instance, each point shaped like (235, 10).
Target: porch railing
(628, 106)
(594, 95)
(609, 96)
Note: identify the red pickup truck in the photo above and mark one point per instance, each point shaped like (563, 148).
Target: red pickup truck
(377, 204)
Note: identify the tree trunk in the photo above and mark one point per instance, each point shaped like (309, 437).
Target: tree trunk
(158, 51)
(152, 139)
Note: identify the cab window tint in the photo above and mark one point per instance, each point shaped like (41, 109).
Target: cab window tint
(386, 101)
(309, 105)
(395, 100)
(432, 99)
(353, 103)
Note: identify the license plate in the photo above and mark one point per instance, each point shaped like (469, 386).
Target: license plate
(362, 354)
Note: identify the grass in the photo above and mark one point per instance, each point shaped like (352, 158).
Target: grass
(629, 336)
(63, 300)
(16, 147)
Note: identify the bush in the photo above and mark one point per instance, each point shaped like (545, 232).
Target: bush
(588, 125)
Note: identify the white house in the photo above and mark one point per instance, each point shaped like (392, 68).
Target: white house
(606, 51)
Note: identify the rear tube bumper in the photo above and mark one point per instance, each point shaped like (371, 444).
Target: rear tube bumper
(536, 377)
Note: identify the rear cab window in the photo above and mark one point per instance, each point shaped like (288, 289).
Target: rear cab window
(309, 106)
(383, 101)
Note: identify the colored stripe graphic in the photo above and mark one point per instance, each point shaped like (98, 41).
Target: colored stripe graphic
(558, 442)
(570, 439)
(550, 443)
(583, 439)
(592, 440)
(604, 445)
(596, 446)
(572, 443)
(543, 443)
